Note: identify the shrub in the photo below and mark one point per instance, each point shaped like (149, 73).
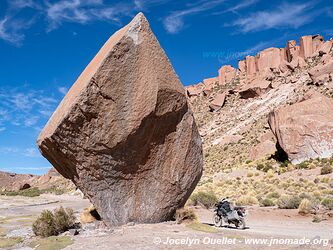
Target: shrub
(247, 200)
(44, 224)
(249, 174)
(264, 167)
(326, 170)
(288, 202)
(270, 173)
(29, 192)
(48, 223)
(305, 207)
(185, 215)
(303, 165)
(64, 219)
(328, 202)
(316, 219)
(274, 195)
(267, 203)
(206, 199)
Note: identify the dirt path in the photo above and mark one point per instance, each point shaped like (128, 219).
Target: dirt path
(264, 224)
(18, 213)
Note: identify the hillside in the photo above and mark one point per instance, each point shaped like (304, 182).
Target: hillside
(242, 156)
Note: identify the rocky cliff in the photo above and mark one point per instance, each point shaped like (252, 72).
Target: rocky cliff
(232, 108)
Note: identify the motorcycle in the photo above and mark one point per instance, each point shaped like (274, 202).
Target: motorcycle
(225, 212)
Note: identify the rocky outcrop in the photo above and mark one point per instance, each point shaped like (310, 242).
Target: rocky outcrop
(227, 73)
(255, 89)
(268, 58)
(265, 147)
(255, 72)
(194, 90)
(292, 50)
(16, 182)
(250, 65)
(209, 84)
(305, 130)
(322, 73)
(124, 133)
(218, 102)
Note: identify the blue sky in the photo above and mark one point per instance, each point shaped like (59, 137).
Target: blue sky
(45, 44)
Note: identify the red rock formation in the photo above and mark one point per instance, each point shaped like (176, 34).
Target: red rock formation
(306, 47)
(322, 73)
(292, 50)
(226, 74)
(266, 147)
(268, 58)
(124, 133)
(250, 65)
(305, 130)
(218, 102)
(254, 89)
(194, 90)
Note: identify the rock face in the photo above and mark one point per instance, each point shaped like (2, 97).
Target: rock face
(253, 72)
(124, 133)
(218, 102)
(255, 89)
(305, 130)
(266, 147)
(226, 74)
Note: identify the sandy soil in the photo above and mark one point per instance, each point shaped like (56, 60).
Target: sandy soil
(17, 214)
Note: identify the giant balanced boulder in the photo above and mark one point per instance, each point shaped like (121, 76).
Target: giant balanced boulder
(304, 130)
(124, 133)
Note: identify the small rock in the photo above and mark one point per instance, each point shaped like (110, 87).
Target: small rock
(73, 232)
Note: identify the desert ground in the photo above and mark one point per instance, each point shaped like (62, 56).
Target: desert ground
(263, 224)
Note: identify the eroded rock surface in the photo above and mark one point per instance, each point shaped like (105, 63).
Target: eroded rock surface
(304, 130)
(124, 133)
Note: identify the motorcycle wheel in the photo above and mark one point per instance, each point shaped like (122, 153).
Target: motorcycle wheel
(242, 223)
(217, 220)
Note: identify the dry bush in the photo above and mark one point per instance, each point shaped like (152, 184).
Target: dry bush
(44, 224)
(267, 203)
(64, 219)
(328, 203)
(326, 170)
(89, 215)
(274, 195)
(185, 215)
(305, 207)
(49, 224)
(206, 199)
(247, 200)
(288, 202)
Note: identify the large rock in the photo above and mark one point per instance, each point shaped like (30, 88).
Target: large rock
(255, 89)
(305, 130)
(268, 58)
(194, 90)
(306, 46)
(218, 102)
(265, 147)
(124, 133)
(227, 73)
(292, 50)
(321, 73)
(250, 65)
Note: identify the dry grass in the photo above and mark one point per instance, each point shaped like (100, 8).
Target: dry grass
(185, 215)
(89, 215)
(202, 227)
(9, 242)
(51, 243)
